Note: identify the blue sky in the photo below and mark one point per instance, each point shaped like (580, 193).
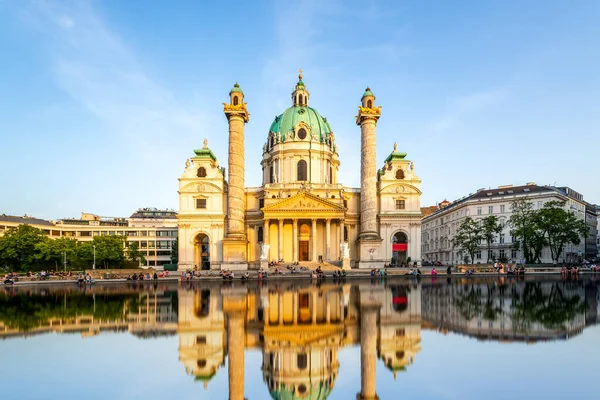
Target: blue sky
(102, 101)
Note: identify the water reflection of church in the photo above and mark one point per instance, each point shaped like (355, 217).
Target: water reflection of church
(301, 328)
(300, 331)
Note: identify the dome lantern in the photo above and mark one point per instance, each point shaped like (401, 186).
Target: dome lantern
(300, 94)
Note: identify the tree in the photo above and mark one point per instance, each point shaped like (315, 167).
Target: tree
(109, 250)
(18, 246)
(134, 254)
(560, 227)
(467, 238)
(490, 227)
(57, 251)
(524, 228)
(175, 251)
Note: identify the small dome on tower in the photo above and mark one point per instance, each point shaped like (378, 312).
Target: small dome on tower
(367, 93)
(236, 89)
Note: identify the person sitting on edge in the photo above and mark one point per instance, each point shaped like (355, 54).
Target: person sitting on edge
(563, 271)
(155, 276)
(313, 275)
(373, 272)
(433, 271)
(128, 277)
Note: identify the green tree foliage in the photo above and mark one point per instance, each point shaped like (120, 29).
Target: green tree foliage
(551, 226)
(134, 254)
(18, 247)
(57, 251)
(560, 227)
(524, 228)
(490, 227)
(109, 250)
(468, 237)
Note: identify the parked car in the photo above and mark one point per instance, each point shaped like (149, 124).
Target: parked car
(438, 264)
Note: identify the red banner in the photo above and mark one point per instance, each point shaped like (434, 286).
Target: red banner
(399, 247)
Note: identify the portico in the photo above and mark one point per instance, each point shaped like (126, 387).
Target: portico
(302, 228)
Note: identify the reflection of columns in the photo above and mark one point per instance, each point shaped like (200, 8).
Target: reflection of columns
(314, 240)
(314, 308)
(280, 241)
(266, 237)
(327, 238)
(280, 309)
(296, 308)
(368, 353)
(295, 240)
(234, 308)
(328, 309)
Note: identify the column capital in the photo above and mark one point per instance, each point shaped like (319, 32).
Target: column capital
(295, 220)
(328, 220)
(280, 221)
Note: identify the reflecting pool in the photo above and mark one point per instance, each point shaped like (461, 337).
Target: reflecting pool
(389, 339)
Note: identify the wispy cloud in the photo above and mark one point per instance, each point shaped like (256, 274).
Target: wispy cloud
(466, 106)
(96, 68)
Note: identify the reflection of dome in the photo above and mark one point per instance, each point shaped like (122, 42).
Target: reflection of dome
(317, 392)
(284, 124)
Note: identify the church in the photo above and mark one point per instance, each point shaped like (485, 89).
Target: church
(301, 212)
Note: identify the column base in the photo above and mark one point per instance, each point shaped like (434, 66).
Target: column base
(346, 263)
(235, 254)
(369, 252)
(264, 264)
(361, 397)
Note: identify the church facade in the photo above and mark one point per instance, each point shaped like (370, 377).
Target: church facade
(301, 212)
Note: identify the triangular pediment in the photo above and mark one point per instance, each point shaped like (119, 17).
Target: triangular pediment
(304, 202)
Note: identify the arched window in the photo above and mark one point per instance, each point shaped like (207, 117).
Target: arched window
(272, 140)
(201, 363)
(235, 100)
(370, 103)
(301, 173)
(345, 234)
(301, 133)
(271, 175)
(201, 172)
(299, 100)
(305, 99)
(399, 174)
(302, 361)
(330, 174)
(259, 234)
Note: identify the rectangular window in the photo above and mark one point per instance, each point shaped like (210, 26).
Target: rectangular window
(400, 204)
(201, 203)
(513, 254)
(502, 208)
(400, 332)
(502, 238)
(478, 210)
(144, 233)
(490, 210)
(200, 339)
(501, 253)
(261, 203)
(478, 254)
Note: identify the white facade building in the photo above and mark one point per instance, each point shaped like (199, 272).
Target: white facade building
(439, 228)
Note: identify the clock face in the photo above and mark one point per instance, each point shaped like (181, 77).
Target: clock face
(302, 133)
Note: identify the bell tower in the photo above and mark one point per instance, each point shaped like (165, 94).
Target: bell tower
(235, 241)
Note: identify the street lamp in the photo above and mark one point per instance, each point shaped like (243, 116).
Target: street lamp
(94, 266)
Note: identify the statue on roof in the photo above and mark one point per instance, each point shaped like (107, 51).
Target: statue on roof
(395, 146)
(205, 143)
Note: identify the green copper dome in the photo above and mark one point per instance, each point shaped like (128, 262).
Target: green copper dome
(368, 93)
(284, 124)
(236, 89)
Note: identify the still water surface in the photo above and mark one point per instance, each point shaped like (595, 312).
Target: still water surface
(428, 339)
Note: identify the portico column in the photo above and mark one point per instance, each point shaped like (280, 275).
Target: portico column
(280, 241)
(327, 239)
(295, 239)
(266, 237)
(314, 240)
(341, 233)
